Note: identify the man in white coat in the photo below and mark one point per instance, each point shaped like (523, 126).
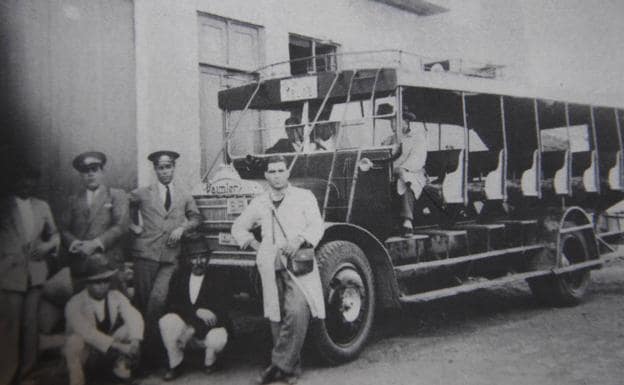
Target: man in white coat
(289, 300)
(410, 155)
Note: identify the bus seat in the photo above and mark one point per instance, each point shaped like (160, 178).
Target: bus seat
(494, 181)
(453, 184)
(615, 182)
(529, 181)
(590, 175)
(561, 180)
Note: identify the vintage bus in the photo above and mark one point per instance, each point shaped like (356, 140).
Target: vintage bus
(517, 188)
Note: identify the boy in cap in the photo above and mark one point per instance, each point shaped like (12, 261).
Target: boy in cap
(97, 218)
(162, 213)
(28, 236)
(103, 329)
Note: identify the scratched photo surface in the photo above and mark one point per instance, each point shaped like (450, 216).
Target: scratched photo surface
(312, 192)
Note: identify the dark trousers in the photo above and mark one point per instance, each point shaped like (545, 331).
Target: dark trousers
(151, 284)
(289, 334)
(407, 204)
(19, 330)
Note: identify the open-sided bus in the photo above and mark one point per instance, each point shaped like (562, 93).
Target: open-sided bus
(517, 185)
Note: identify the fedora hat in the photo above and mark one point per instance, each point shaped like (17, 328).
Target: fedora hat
(98, 269)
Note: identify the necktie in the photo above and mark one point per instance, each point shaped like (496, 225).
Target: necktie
(167, 198)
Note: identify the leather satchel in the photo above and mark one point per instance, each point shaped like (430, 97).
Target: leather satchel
(302, 262)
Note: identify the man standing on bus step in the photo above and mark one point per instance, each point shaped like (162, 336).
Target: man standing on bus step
(410, 150)
(161, 213)
(97, 217)
(289, 301)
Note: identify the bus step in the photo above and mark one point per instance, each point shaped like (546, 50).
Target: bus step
(484, 237)
(520, 232)
(406, 250)
(446, 243)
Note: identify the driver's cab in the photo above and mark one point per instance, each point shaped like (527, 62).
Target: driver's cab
(332, 131)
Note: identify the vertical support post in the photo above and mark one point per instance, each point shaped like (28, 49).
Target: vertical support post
(595, 152)
(504, 128)
(621, 145)
(467, 149)
(539, 150)
(569, 153)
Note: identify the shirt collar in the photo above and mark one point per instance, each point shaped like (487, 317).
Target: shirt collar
(285, 192)
(96, 191)
(163, 188)
(22, 201)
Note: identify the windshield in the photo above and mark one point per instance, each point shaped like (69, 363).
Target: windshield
(303, 126)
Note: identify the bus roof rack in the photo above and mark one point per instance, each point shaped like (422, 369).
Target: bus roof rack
(387, 58)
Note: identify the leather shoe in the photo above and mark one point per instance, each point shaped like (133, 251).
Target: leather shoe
(275, 374)
(407, 231)
(267, 375)
(173, 373)
(211, 368)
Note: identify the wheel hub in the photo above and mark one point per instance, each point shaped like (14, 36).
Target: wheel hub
(347, 302)
(351, 304)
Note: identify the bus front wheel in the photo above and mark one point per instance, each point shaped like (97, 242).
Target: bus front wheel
(348, 288)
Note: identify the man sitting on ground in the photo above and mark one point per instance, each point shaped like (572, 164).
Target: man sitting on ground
(196, 314)
(103, 329)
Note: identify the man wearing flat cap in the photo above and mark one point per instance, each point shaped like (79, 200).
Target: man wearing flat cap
(97, 218)
(104, 330)
(161, 213)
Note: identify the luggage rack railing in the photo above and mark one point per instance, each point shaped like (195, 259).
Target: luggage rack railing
(381, 58)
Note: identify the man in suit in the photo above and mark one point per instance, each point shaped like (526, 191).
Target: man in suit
(162, 213)
(103, 329)
(288, 217)
(196, 313)
(294, 138)
(28, 238)
(97, 217)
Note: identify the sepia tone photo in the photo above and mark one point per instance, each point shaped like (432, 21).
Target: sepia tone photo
(311, 192)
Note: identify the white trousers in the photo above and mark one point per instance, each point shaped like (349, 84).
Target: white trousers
(77, 351)
(173, 329)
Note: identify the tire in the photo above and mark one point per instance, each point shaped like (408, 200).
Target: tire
(349, 290)
(570, 288)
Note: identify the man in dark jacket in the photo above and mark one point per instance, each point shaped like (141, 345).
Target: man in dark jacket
(196, 314)
(97, 218)
(294, 140)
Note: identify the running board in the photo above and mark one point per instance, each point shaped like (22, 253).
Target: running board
(451, 291)
(411, 268)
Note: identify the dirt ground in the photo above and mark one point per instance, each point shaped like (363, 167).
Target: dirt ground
(497, 336)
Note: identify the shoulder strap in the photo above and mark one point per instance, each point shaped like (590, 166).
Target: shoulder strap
(278, 221)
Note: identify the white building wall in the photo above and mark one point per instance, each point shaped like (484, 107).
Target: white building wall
(506, 32)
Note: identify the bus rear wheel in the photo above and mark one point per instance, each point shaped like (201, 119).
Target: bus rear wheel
(566, 289)
(348, 288)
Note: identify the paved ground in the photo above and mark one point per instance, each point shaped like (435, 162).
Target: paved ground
(497, 336)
